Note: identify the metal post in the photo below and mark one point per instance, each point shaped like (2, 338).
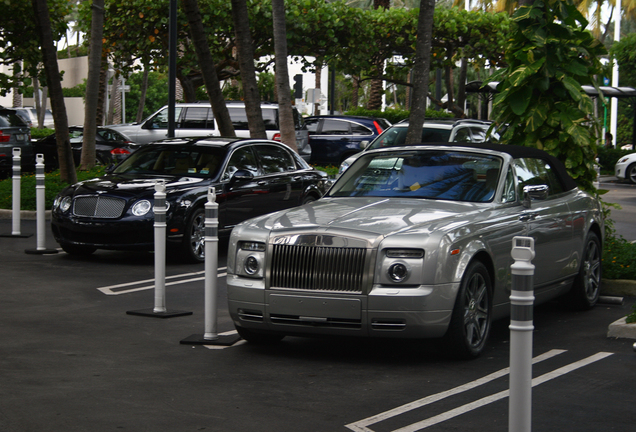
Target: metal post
(160, 209)
(521, 328)
(17, 173)
(160, 246)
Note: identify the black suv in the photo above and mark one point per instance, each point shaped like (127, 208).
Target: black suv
(334, 138)
(14, 133)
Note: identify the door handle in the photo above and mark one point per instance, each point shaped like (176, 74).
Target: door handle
(528, 217)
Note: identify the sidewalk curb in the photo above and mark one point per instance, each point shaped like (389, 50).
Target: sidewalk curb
(24, 214)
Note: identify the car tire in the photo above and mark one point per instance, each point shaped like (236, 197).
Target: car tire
(587, 284)
(258, 338)
(630, 173)
(193, 246)
(78, 250)
(472, 314)
(308, 199)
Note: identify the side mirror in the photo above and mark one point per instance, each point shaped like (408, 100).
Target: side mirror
(363, 144)
(530, 193)
(242, 176)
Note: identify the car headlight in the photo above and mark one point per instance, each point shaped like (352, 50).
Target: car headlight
(62, 203)
(623, 160)
(250, 259)
(141, 208)
(401, 266)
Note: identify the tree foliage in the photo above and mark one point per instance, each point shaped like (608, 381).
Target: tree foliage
(540, 98)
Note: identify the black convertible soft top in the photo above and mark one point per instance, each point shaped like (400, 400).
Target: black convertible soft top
(521, 152)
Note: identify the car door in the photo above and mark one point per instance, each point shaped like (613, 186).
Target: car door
(330, 140)
(155, 128)
(549, 222)
(195, 121)
(283, 185)
(242, 196)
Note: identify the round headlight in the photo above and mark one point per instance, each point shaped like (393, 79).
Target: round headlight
(251, 265)
(141, 208)
(398, 272)
(65, 203)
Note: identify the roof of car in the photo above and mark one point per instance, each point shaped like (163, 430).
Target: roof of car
(345, 117)
(446, 122)
(515, 152)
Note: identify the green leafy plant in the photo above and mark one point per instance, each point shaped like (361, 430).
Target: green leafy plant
(631, 318)
(550, 56)
(41, 133)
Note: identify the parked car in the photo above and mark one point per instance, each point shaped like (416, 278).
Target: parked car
(30, 115)
(251, 177)
(14, 133)
(436, 130)
(196, 120)
(415, 242)
(110, 147)
(625, 168)
(334, 138)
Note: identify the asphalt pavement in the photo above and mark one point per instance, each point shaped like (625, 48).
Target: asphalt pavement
(73, 359)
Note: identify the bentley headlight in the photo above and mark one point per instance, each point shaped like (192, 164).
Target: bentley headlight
(250, 257)
(141, 208)
(63, 203)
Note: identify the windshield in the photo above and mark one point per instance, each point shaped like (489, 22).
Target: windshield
(432, 174)
(170, 160)
(396, 136)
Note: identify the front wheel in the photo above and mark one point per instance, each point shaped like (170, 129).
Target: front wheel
(630, 173)
(470, 323)
(193, 246)
(587, 284)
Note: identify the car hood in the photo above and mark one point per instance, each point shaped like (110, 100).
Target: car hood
(374, 216)
(139, 184)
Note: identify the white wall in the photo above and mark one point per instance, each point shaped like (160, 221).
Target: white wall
(74, 109)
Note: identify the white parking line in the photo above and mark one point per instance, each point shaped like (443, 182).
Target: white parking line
(186, 278)
(361, 426)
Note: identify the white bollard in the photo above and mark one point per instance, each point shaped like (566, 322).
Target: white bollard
(160, 246)
(521, 328)
(160, 209)
(211, 264)
(210, 335)
(40, 210)
(17, 175)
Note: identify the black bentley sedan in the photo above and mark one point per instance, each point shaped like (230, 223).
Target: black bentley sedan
(251, 177)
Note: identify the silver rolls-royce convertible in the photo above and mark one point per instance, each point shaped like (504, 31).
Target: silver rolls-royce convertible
(415, 242)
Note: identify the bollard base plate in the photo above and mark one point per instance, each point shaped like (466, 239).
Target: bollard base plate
(223, 340)
(41, 251)
(17, 235)
(152, 313)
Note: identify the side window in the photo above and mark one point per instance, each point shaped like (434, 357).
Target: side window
(241, 159)
(270, 118)
(239, 118)
(335, 127)
(358, 129)
(312, 125)
(160, 120)
(462, 135)
(274, 159)
(198, 118)
(532, 172)
(509, 193)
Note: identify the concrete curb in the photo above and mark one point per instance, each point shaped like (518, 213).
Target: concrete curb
(24, 214)
(620, 329)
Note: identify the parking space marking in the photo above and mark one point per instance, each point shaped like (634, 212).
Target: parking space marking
(361, 426)
(131, 287)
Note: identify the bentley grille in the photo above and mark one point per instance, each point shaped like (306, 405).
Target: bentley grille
(318, 268)
(98, 206)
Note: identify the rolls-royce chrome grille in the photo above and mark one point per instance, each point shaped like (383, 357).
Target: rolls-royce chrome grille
(98, 206)
(318, 268)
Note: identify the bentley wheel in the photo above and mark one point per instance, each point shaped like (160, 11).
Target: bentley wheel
(470, 323)
(258, 338)
(193, 247)
(72, 249)
(587, 285)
